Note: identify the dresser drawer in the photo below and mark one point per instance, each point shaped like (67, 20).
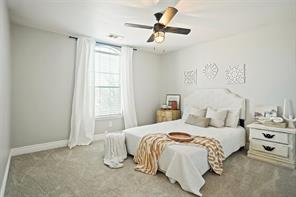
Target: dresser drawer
(270, 136)
(270, 148)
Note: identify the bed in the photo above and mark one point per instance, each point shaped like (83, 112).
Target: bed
(187, 163)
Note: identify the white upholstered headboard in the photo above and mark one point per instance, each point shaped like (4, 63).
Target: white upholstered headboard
(216, 98)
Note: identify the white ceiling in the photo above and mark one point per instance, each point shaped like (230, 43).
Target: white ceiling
(208, 19)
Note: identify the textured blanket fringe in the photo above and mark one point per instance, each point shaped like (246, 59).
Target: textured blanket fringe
(152, 145)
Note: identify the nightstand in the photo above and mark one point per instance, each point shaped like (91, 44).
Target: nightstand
(167, 115)
(271, 144)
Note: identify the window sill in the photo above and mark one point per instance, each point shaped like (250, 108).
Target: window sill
(109, 117)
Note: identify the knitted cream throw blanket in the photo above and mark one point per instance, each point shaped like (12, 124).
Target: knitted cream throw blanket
(152, 145)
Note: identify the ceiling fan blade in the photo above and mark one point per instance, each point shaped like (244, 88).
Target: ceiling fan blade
(168, 14)
(138, 26)
(151, 38)
(177, 30)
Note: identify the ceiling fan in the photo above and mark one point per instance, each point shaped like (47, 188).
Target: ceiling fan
(160, 28)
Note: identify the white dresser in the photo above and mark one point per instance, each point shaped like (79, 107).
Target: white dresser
(274, 145)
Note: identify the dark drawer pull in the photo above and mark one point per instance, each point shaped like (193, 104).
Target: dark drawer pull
(268, 148)
(266, 135)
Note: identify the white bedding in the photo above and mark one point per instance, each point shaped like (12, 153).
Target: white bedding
(186, 163)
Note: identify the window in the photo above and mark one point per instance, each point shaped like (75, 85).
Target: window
(107, 81)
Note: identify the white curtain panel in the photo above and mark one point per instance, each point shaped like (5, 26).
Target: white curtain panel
(83, 106)
(127, 87)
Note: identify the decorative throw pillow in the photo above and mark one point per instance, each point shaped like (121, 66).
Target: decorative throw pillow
(232, 118)
(198, 111)
(218, 117)
(193, 110)
(197, 120)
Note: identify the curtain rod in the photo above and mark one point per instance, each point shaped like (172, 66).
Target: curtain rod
(112, 45)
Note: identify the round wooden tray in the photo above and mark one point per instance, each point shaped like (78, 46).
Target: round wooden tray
(180, 136)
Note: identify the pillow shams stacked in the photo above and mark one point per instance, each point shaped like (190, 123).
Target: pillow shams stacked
(194, 111)
(217, 117)
(232, 118)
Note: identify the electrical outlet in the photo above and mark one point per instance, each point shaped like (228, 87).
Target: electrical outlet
(110, 124)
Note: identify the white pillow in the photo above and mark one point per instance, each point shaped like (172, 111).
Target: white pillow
(232, 118)
(218, 117)
(194, 111)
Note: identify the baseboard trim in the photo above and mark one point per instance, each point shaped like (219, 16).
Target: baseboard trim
(38, 147)
(46, 146)
(3, 186)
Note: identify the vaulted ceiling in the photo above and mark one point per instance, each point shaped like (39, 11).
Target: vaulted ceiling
(208, 19)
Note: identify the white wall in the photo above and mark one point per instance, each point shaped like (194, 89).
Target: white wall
(147, 86)
(269, 53)
(43, 74)
(4, 89)
(42, 86)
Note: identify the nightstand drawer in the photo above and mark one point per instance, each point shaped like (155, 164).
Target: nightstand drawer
(272, 144)
(270, 136)
(270, 148)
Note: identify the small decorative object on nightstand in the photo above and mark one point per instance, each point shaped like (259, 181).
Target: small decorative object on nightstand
(274, 145)
(176, 98)
(167, 115)
(290, 118)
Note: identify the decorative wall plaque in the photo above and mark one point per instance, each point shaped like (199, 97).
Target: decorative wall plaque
(190, 77)
(210, 71)
(236, 74)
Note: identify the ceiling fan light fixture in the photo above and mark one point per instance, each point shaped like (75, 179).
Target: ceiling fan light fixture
(161, 27)
(159, 36)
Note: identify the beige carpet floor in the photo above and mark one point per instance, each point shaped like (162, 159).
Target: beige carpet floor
(81, 172)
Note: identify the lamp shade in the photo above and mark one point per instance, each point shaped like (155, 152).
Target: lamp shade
(159, 36)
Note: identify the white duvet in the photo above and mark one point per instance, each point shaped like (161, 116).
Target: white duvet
(186, 163)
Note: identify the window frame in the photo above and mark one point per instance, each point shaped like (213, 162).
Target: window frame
(116, 52)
